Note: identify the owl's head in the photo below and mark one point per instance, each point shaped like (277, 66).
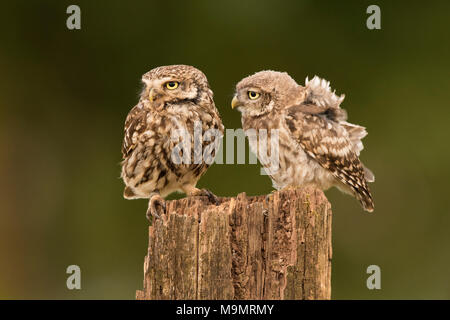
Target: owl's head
(265, 91)
(171, 85)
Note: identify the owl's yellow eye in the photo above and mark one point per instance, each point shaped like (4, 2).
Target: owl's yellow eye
(253, 95)
(172, 85)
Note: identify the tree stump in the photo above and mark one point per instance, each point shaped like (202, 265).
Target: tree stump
(275, 246)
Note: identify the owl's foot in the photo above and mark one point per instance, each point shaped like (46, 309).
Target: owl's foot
(211, 196)
(156, 207)
(204, 193)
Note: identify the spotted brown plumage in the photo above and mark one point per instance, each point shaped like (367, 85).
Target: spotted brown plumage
(174, 99)
(317, 146)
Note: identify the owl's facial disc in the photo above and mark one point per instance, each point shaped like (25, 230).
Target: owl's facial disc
(240, 100)
(251, 101)
(159, 92)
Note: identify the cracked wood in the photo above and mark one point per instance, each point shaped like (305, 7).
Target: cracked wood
(275, 246)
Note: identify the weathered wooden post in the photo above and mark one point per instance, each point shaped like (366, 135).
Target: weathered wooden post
(265, 247)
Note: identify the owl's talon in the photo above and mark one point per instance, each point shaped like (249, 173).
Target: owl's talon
(211, 197)
(205, 193)
(151, 215)
(156, 207)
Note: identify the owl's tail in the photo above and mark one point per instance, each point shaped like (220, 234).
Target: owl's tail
(364, 196)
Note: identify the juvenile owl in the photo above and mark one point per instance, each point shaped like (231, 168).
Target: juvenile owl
(316, 146)
(176, 101)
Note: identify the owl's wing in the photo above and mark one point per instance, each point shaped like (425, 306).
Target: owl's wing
(331, 113)
(319, 99)
(329, 143)
(355, 132)
(134, 125)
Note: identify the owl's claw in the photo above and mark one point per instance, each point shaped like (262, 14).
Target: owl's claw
(156, 207)
(204, 193)
(211, 197)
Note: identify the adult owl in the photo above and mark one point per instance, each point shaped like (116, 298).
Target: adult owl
(316, 145)
(175, 99)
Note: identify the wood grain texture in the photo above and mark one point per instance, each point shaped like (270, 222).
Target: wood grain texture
(275, 246)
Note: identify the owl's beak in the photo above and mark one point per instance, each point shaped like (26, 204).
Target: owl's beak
(152, 94)
(235, 102)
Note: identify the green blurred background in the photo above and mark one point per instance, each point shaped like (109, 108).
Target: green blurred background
(65, 94)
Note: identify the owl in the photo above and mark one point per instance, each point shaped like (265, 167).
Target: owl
(175, 101)
(316, 146)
